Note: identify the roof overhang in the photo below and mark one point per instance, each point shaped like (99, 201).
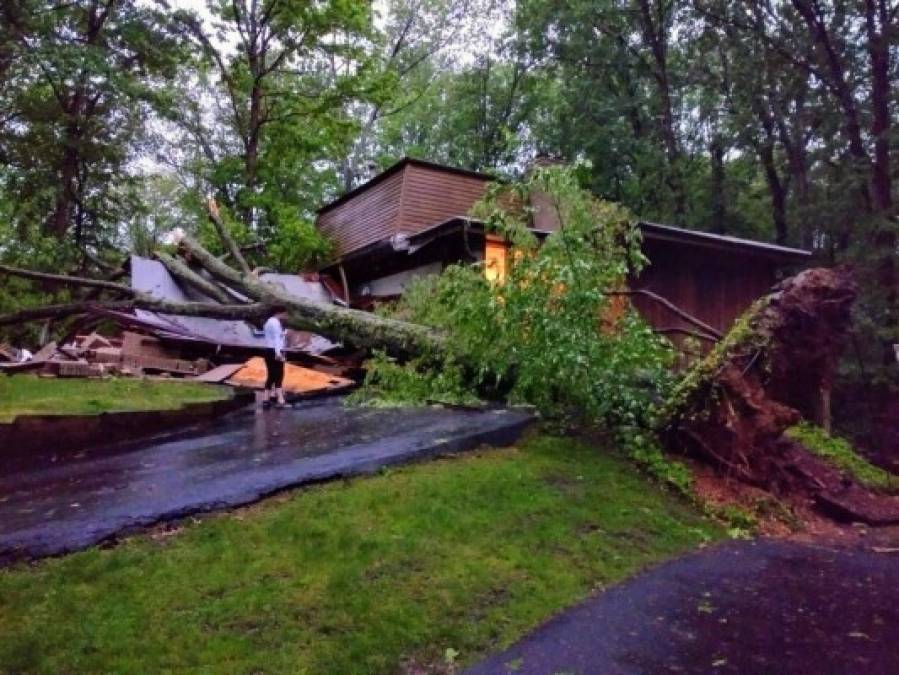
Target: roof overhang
(409, 244)
(720, 242)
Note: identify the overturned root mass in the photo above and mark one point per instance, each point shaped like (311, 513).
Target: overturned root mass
(775, 367)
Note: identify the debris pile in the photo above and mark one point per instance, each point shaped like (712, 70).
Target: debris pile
(95, 355)
(150, 343)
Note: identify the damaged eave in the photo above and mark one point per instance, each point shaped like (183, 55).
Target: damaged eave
(151, 277)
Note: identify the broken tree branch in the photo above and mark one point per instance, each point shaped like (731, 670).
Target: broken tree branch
(689, 318)
(222, 271)
(183, 272)
(228, 241)
(66, 280)
(250, 312)
(60, 311)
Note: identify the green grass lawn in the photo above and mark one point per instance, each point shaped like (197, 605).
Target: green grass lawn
(363, 576)
(31, 395)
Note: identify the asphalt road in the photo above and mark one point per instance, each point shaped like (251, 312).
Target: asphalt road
(766, 607)
(59, 502)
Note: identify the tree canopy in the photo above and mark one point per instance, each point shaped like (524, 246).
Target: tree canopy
(769, 119)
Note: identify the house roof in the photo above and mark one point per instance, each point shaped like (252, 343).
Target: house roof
(659, 232)
(151, 277)
(410, 243)
(422, 210)
(397, 167)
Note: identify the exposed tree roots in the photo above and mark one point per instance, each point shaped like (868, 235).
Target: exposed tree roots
(774, 368)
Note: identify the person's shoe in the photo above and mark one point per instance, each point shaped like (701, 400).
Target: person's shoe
(266, 405)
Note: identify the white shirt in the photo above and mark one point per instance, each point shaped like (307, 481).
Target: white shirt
(274, 335)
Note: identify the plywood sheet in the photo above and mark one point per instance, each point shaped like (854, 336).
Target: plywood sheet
(297, 379)
(219, 373)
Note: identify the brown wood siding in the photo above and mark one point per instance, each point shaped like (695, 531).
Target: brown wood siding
(714, 286)
(366, 218)
(431, 196)
(545, 217)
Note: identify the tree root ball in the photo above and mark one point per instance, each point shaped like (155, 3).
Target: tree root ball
(775, 367)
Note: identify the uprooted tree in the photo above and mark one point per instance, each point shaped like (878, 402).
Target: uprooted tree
(553, 335)
(774, 368)
(539, 327)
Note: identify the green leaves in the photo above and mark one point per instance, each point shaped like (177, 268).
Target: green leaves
(549, 335)
(78, 85)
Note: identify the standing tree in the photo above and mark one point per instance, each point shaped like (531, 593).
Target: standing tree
(78, 81)
(265, 112)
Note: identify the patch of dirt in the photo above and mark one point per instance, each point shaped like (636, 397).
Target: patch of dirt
(720, 492)
(795, 517)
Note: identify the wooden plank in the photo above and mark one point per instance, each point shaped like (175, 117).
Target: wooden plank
(136, 344)
(219, 373)
(45, 352)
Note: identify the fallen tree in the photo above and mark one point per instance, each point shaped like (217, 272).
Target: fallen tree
(235, 293)
(774, 368)
(550, 336)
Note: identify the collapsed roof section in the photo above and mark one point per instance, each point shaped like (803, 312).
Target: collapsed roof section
(151, 277)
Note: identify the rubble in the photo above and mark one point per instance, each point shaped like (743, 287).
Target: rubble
(211, 350)
(136, 354)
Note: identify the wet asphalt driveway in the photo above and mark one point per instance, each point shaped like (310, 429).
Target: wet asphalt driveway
(762, 607)
(54, 502)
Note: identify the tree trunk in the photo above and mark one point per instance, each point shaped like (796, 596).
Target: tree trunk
(61, 217)
(719, 204)
(834, 69)
(777, 189)
(350, 326)
(655, 37)
(879, 57)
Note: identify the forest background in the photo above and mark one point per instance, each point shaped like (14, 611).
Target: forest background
(769, 119)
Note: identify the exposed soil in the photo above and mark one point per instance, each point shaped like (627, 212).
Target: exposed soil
(770, 372)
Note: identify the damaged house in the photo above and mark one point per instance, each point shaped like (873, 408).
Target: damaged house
(411, 220)
(207, 349)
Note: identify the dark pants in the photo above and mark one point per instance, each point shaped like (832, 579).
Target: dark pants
(275, 369)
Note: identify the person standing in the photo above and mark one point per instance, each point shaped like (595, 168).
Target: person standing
(274, 358)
